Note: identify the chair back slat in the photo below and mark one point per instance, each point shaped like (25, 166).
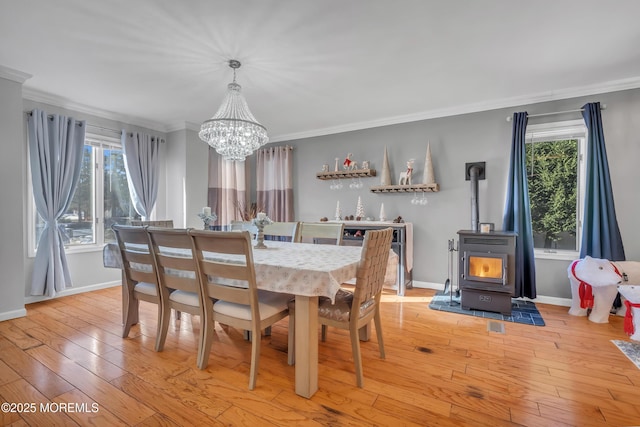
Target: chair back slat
(288, 230)
(244, 226)
(135, 256)
(314, 232)
(224, 242)
(165, 223)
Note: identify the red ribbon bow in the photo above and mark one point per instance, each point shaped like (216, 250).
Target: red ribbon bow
(584, 290)
(628, 317)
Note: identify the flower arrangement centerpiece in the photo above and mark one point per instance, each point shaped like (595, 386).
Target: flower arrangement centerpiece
(207, 217)
(260, 221)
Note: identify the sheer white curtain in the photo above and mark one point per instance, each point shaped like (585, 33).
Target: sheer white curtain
(141, 162)
(55, 154)
(275, 182)
(227, 188)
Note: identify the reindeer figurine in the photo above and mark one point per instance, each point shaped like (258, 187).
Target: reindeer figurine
(405, 177)
(350, 164)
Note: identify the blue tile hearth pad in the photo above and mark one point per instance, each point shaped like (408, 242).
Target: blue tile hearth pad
(521, 311)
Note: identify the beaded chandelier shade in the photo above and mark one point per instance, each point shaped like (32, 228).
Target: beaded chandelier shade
(233, 131)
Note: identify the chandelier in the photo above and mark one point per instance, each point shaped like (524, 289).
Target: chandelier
(233, 131)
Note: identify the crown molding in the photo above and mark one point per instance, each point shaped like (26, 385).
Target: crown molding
(181, 125)
(613, 86)
(58, 101)
(14, 75)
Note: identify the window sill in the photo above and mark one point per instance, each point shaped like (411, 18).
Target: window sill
(70, 250)
(83, 248)
(556, 255)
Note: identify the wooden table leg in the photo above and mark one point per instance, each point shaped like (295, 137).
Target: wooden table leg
(306, 345)
(365, 332)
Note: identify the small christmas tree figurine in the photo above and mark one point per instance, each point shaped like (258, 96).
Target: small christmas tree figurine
(385, 177)
(383, 215)
(338, 212)
(429, 177)
(359, 209)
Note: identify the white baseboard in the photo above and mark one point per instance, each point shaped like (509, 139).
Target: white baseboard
(566, 302)
(428, 285)
(14, 314)
(73, 291)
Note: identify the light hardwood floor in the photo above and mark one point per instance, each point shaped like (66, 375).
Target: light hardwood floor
(441, 369)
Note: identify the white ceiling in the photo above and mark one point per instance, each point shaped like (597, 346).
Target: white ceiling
(314, 67)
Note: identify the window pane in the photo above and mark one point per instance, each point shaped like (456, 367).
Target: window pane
(77, 223)
(552, 170)
(118, 208)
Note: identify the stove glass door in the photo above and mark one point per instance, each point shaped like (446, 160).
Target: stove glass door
(485, 267)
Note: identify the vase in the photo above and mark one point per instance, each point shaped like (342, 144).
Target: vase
(260, 239)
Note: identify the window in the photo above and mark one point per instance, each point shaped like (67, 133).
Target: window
(101, 198)
(555, 172)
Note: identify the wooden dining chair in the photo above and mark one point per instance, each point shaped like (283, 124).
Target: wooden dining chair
(321, 232)
(286, 230)
(354, 310)
(140, 278)
(179, 282)
(227, 274)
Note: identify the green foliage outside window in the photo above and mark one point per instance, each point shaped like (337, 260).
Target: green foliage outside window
(552, 170)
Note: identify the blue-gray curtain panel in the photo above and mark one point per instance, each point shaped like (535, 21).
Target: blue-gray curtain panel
(141, 163)
(55, 154)
(600, 233)
(517, 211)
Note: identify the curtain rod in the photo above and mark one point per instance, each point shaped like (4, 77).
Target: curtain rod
(118, 132)
(579, 110)
(89, 125)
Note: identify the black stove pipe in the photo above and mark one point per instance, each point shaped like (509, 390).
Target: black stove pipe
(474, 171)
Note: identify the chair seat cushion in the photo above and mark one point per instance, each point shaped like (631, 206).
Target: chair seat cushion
(183, 297)
(342, 308)
(270, 303)
(146, 288)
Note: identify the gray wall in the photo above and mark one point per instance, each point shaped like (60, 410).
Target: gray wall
(484, 136)
(12, 187)
(187, 177)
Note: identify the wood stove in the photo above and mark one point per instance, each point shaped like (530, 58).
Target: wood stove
(487, 270)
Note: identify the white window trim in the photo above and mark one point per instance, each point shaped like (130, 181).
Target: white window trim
(575, 129)
(95, 140)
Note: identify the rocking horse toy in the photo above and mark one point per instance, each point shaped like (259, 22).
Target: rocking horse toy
(350, 164)
(405, 177)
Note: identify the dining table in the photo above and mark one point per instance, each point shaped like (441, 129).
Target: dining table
(307, 271)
